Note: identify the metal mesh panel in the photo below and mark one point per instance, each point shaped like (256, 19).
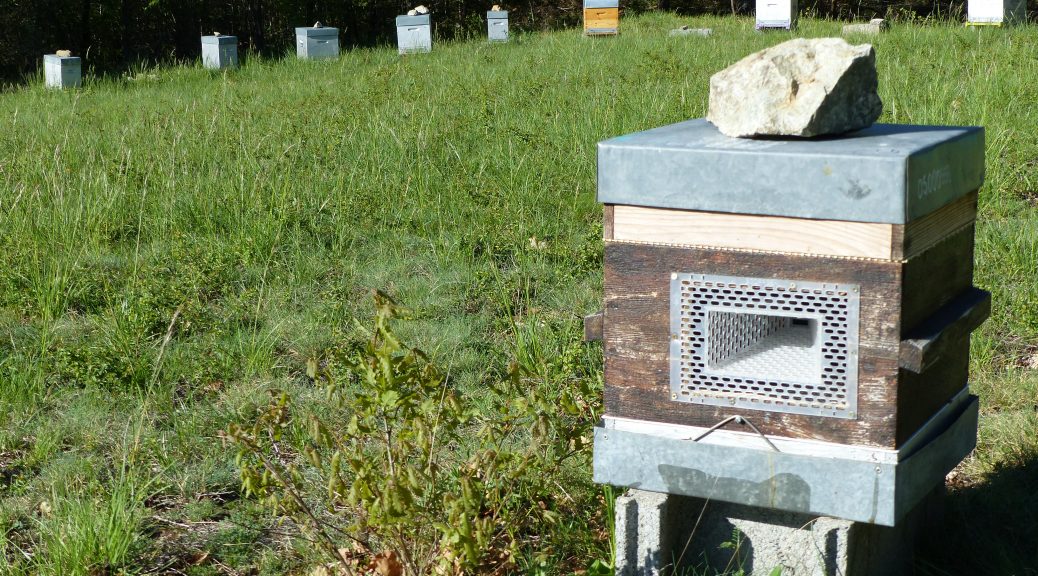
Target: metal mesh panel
(777, 345)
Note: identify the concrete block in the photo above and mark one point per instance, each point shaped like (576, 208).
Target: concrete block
(660, 534)
(872, 27)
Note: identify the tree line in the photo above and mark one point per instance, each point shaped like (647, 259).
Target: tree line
(116, 35)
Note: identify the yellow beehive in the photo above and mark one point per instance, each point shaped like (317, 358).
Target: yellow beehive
(601, 17)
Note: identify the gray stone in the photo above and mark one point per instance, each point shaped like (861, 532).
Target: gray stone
(802, 87)
(686, 31)
(872, 27)
(663, 534)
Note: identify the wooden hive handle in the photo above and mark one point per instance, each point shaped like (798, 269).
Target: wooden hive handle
(929, 341)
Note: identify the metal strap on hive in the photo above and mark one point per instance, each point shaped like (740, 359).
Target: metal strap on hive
(764, 344)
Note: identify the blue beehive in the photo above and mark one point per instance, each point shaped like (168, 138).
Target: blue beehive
(317, 42)
(497, 25)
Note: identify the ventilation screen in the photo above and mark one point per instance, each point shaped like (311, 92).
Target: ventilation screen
(765, 344)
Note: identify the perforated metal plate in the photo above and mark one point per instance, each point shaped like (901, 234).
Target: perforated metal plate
(764, 344)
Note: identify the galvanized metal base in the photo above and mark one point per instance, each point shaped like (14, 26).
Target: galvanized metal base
(855, 483)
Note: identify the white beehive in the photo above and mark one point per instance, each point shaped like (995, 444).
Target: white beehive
(497, 25)
(62, 71)
(995, 12)
(414, 33)
(776, 14)
(219, 52)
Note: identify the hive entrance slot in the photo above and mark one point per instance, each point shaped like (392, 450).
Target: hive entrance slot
(782, 345)
(763, 345)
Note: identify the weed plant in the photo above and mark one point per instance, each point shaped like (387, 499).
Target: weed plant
(177, 243)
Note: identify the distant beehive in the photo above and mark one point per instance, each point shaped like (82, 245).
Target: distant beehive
(219, 52)
(497, 25)
(601, 17)
(776, 14)
(819, 291)
(995, 12)
(62, 71)
(414, 33)
(315, 43)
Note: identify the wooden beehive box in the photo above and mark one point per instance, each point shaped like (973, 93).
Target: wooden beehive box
(601, 17)
(822, 290)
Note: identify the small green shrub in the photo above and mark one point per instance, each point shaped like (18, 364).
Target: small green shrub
(418, 475)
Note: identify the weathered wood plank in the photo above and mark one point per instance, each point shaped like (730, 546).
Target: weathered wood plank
(608, 213)
(935, 277)
(637, 287)
(922, 234)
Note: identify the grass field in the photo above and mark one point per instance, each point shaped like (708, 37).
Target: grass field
(175, 243)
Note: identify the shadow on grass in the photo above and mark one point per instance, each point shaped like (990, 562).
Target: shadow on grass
(989, 528)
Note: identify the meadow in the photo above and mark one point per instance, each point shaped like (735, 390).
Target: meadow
(176, 243)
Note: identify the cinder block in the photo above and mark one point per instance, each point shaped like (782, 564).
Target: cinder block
(656, 533)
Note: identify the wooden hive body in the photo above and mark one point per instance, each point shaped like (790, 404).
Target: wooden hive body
(601, 17)
(898, 294)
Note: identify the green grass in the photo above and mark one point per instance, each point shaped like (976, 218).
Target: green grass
(177, 242)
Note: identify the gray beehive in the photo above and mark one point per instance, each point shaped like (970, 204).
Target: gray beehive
(995, 12)
(497, 25)
(414, 33)
(219, 52)
(315, 43)
(776, 14)
(62, 71)
(816, 295)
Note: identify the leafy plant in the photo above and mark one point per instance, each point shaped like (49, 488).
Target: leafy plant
(404, 480)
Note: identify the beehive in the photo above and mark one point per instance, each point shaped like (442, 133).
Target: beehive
(219, 52)
(776, 14)
(62, 71)
(316, 43)
(995, 12)
(414, 33)
(601, 17)
(819, 292)
(497, 25)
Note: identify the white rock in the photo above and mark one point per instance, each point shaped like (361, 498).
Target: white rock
(874, 26)
(63, 53)
(421, 9)
(412, 12)
(318, 24)
(802, 87)
(496, 8)
(686, 31)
